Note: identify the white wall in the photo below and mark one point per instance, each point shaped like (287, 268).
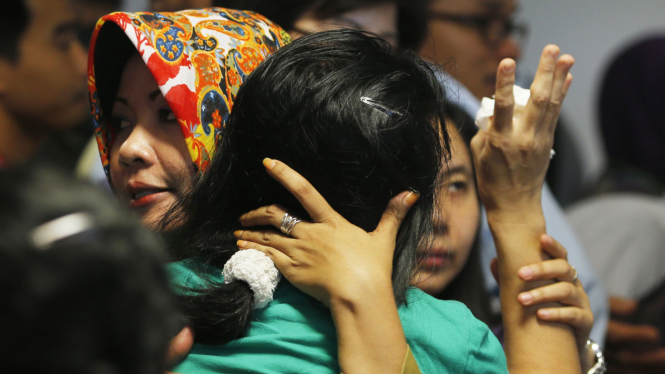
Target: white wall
(592, 31)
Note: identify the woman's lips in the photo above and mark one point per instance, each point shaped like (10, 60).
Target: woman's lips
(436, 260)
(145, 198)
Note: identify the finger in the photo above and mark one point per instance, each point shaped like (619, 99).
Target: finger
(494, 267)
(394, 214)
(504, 99)
(562, 292)
(316, 206)
(541, 88)
(563, 66)
(281, 260)
(553, 247)
(566, 85)
(270, 215)
(550, 269)
(573, 316)
(621, 333)
(180, 346)
(478, 144)
(268, 238)
(621, 307)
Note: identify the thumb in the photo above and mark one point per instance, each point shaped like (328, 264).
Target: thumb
(180, 345)
(394, 214)
(494, 267)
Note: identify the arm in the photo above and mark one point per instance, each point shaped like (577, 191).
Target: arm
(511, 161)
(323, 258)
(568, 290)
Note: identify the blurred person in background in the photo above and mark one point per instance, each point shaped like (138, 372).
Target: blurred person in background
(623, 228)
(84, 288)
(42, 75)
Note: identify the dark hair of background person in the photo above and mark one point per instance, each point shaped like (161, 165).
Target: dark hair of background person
(469, 285)
(97, 301)
(303, 106)
(14, 20)
(411, 19)
(632, 117)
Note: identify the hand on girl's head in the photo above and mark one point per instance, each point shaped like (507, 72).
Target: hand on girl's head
(323, 258)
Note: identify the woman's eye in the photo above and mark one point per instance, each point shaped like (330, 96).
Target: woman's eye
(456, 186)
(166, 115)
(120, 123)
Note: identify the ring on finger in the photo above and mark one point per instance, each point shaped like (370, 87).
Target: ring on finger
(288, 223)
(574, 276)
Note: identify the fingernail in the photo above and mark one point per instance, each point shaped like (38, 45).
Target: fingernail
(547, 239)
(237, 233)
(410, 198)
(525, 272)
(509, 68)
(269, 163)
(525, 298)
(544, 313)
(241, 243)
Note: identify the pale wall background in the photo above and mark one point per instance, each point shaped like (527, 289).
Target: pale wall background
(592, 31)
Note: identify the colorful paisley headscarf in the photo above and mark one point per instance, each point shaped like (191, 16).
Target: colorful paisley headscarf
(199, 59)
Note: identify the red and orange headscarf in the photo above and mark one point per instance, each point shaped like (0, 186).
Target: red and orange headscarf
(199, 59)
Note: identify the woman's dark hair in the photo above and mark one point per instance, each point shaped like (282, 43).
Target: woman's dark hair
(95, 301)
(303, 106)
(469, 285)
(14, 21)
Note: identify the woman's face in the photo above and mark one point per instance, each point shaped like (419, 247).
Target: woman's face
(455, 224)
(150, 163)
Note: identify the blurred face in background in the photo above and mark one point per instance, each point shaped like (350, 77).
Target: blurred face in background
(477, 35)
(456, 223)
(44, 89)
(380, 19)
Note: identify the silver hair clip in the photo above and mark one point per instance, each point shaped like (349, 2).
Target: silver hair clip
(50, 232)
(378, 106)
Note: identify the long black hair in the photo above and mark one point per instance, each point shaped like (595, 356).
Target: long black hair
(306, 105)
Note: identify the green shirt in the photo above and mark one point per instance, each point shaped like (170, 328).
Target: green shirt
(296, 334)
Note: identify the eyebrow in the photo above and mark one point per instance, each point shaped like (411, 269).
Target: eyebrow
(121, 100)
(458, 169)
(66, 27)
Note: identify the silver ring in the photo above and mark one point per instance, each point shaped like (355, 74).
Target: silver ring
(575, 276)
(288, 223)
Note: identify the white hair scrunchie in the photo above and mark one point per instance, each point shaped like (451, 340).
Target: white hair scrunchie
(257, 270)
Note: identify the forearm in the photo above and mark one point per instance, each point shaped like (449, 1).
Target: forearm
(369, 332)
(551, 347)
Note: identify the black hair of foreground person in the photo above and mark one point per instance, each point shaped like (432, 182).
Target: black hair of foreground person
(96, 301)
(303, 106)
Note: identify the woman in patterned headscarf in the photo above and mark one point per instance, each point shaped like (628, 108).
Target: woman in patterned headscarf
(161, 87)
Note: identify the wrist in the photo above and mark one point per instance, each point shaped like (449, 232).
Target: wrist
(361, 296)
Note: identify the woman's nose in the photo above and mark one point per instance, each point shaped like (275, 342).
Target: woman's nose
(136, 150)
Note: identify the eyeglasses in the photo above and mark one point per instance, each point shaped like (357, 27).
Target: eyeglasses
(494, 30)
